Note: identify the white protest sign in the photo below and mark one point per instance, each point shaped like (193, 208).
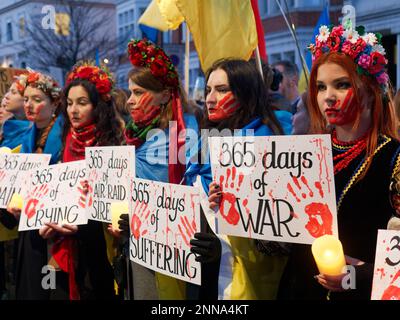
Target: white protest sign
(386, 282)
(54, 194)
(14, 172)
(278, 188)
(163, 219)
(109, 173)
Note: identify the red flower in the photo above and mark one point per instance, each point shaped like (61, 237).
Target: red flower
(158, 68)
(378, 63)
(103, 86)
(141, 45)
(32, 77)
(337, 31)
(333, 43)
(137, 59)
(151, 51)
(85, 72)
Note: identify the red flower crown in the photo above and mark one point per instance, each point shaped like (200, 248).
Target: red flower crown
(38, 80)
(99, 76)
(143, 53)
(365, 49)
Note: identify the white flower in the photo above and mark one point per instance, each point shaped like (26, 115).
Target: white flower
(323, 34)
(378, 48)
(351, 35)
(370, 38)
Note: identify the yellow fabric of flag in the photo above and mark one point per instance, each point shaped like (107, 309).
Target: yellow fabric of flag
(152, 17)
(170, 13)
(220, 29)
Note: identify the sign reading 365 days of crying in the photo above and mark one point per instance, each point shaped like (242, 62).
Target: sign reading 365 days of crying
(278, 188)
(163, 219)
(109, 170)
(55, 195)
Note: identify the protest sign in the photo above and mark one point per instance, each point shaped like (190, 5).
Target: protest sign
(55, 195)
(14, 173)
(109, 170)
(163, 219)
(278, 188)
(386, 282)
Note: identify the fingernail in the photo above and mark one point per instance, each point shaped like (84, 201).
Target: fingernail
(316, 277)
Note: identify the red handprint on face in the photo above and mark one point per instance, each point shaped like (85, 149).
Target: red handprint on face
(145, 111)
(140, 216)
(319, 215)
(224, 108)
(33, 200)
(230, 213)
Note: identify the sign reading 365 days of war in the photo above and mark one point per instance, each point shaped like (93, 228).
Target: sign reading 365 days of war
(278, 188)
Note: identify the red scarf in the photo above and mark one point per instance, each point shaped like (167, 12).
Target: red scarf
(64, 250)
(77, 141)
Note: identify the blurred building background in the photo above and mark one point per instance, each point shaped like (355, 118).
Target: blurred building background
(119, 21)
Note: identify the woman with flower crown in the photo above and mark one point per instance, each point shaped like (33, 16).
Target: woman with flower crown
(350, 98)
(156, 99)
(41, 103)
(91, 120)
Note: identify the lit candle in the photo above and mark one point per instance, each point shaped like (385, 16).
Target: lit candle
(118, 208)
(16, 201)
(328, 254)
(5, 150)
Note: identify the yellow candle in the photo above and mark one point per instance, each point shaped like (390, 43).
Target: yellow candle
(328, 254)
(118, 208)
(16, 201)
(5, 150)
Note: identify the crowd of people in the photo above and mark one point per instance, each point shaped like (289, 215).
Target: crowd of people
(349, 96)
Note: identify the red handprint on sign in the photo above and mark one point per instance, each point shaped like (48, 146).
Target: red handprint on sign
(187, 229)
(230, 213)
(140, 216)
(320, 217)
(392, 292)
(86, 188)
(33, 200)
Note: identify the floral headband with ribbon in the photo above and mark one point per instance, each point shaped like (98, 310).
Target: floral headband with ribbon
(143, 53)
(99, 76)
(364, 48)
(38, 80)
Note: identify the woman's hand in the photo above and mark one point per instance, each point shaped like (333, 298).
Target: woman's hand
(15, 211)
(214, 195)
(116, 233)
(335, 283)
(51, 229)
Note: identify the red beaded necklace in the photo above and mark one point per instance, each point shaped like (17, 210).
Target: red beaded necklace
(356, 147)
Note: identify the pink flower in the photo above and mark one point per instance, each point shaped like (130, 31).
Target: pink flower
(364, 61)
(382, 78)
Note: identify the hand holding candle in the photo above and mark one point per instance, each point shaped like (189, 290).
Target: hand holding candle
(16, 201)
(118, 208)
(328, 254)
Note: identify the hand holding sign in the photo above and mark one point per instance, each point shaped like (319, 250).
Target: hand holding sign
(51, 229)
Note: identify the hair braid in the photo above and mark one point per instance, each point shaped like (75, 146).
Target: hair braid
(41, 142)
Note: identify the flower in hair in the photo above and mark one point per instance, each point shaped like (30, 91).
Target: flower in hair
(38, 80)
(363, 48)
(143, 53)
(99, 76)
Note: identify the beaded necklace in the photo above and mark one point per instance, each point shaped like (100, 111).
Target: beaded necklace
(353, 150)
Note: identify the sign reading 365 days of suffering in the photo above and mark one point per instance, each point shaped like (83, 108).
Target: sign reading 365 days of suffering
(163, 219)
(55, 195)
(109, 171)
(278, 188)
(386, 283)
(14, 173)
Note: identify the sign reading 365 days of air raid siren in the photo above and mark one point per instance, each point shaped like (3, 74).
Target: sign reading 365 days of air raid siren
(278, 188)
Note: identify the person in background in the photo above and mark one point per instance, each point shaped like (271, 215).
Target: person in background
(289, 85)
(301, 119)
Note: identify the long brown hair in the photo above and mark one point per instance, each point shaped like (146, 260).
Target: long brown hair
(144, 78)
(366, 90)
